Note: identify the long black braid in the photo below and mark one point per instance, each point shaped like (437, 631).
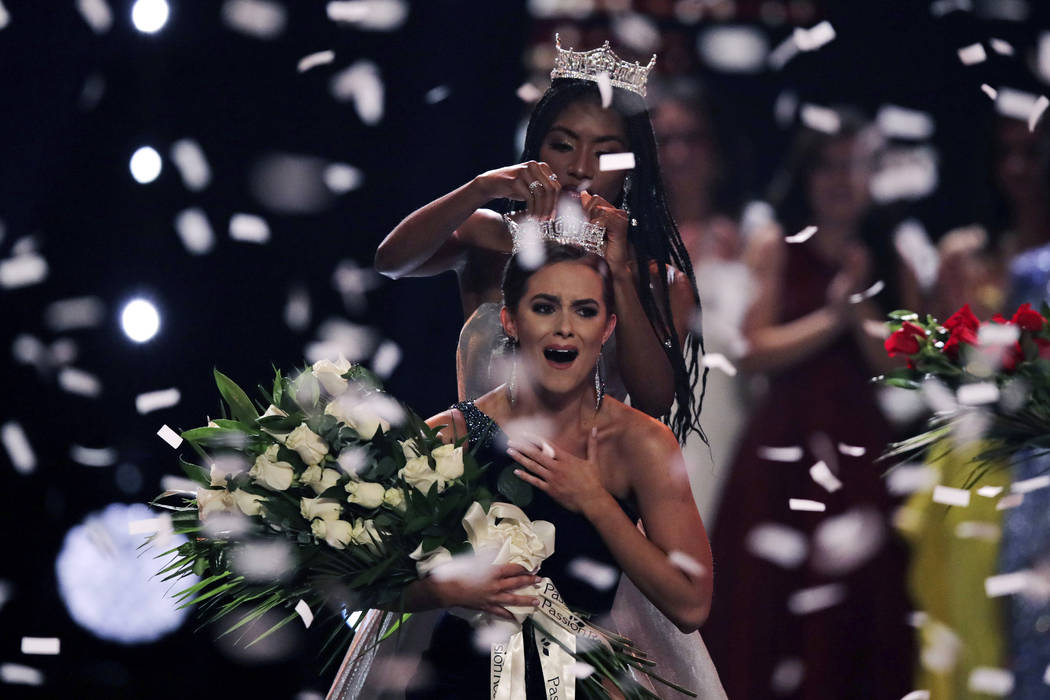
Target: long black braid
(655, 238)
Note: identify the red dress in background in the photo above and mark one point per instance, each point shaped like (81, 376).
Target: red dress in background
(860, 647)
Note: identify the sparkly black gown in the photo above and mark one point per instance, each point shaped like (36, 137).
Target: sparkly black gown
(453, 667)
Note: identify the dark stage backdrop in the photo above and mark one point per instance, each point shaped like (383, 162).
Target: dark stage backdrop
(76, 103)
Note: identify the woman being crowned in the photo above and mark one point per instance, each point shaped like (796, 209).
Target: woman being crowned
(588, 464)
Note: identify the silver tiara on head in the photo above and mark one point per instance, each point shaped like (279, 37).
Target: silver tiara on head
(564, 230)
(588, 65)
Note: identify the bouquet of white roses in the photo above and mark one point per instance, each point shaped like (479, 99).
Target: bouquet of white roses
(367, 499)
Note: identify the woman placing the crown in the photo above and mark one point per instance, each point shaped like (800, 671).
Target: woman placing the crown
(651, 356)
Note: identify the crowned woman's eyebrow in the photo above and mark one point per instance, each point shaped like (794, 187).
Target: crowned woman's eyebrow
(598, 139)
(585, 302)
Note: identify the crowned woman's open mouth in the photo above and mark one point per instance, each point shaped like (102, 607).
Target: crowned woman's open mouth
(560, 356)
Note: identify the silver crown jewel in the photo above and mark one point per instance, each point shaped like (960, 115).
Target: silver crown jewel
(588, 65)
(564, 230)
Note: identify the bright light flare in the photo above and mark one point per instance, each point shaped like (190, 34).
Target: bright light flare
(140, 320)
(150, 16)
(145, 165)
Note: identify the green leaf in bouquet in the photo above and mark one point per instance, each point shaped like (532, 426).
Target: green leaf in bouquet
(285, 454)
(241, 406)
(508, 484)
(281, 424)
(899, 382)
(432, 542)
(278, 388)
(196, 472)
(236, 425)
(903, 315)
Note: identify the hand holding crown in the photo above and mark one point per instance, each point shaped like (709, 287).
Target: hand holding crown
(614, 221)
(531, 182)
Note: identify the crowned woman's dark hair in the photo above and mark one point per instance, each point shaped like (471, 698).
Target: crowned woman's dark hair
(655, 236)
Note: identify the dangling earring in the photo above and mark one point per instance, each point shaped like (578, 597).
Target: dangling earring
(626, 195)
(512, 383)
(599, 382)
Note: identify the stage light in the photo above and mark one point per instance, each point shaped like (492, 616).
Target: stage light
(145, 165)
(149, 16)
(140, 320)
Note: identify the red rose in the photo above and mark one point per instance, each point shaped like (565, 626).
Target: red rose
(905, 341)
(1044, 347)
(963, 318)
(1028, 319)
(998, 318)
(1012, 356)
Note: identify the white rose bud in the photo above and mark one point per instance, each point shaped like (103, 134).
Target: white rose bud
(308, 444)
(213, 501)
(249, 503)
(395, 498)
(218, 475)
(323, 508)
(449, 461)
(355, 413)
(330, 375)
(271, 473)
(365, 493)
(417, 473)
(409, 449)
(320, 480)
(274, 411)
(365, 533)
(337, 533)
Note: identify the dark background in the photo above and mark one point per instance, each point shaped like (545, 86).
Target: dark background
(64, 183)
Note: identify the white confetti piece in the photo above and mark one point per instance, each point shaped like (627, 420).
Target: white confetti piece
(868, 293)
(905, 173)
(1007, 584)
(951, 496)
(169, 436)
(304, 612)
(97, 14)
(40, 645)
(605, 88)
(93, 456)
(1029, 485)
(737, 49)
(681, 560)
(991, 681)
(904, 123)
(528, 93)
(149, 526)
(852, 450)
(157, 400)
(249, 228)
(194, 231)
(386, 359)
(178, 484)
(845, 542)
(784, 52)
(1001, 46)
(911, 478)
(804, 504)
(977, 394)
(360, 83)
(297, 309)
(258, 18)
(263, 561)
(914, 246)
(17, 674)
(939, 8)
(18, 448)
(1042, 60)
(972, 54)
(581, 670)
(787, 676)
(820, 119)
(813, 38)
(77, 381)
(1016, 104)
(437, 94)
(601, 576)
(997, 334)
(780, 454)
(1010, 501)
(1046, 676)
(989, 491)
(372, 15)
(615, 161)
(779, 544)
(802, 236)
(636, 31)
(784, 108)
(1038, 109)
(719, 361)
(318, 58)
(976, 530)
(821, 473)
(78, 312)
(941, 651)
(5, 16)
(917, 695)
(22, 271)
(191, 163)
(810, 600)
(341, 178)
(992, 93)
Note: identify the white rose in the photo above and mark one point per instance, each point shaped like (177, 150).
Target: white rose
(330, 375)
(274, 411)
(249, 503)
(395, 498)
(337, 533)
(320, 480)
(308, 444)
(417, 473)
(271, 473)
(425, 563)
(366, 493)
(323, 508)
(449, 461)
(515, 540)
(355, 413)
(409, 449)
(218, 475)
(213, 501)
(365, 533)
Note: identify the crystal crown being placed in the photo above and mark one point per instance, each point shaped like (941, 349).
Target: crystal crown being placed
(564, 230)
(588, 65)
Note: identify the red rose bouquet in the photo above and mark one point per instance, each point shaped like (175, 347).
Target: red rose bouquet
(985, 380)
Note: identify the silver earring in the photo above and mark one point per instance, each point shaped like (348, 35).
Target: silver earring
(626, 193)
(599, 383)
(512, 383)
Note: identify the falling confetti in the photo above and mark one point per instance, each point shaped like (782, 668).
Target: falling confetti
(804, 504)
(97, 14)
(170, 436)
(157, 400)
(360, 84)
(820, 119)
(991, 681)
(802, 236)
(821, 473)
(977, 394)
(1038, 109)
(904, 123)
(22, 270)
(313, 60)
(194, 231)
(951, 496)
(989, 491)
(18, 448)
(787, 676)
(297, 309)
(69, 314)
(615, 161)
(813, 38)
(681, 560)
(780, 454)
(905, 174)
(719, 361)
(249, 228)
(917, 695)
(18, 674)
(93, 456)
(1016, 104)
(911, 478)
(601, 576)
(258, 18)
(191, 163)
(972, 54)
(372, 15)
(868, 293)
(1029, 485)
(386, 359)
(1001, 46)
(437, 94)
(992, 93)
(852, 450)
(1010, 501)
(341, 177)
(528, 93)
(77, 381)
(846, 542)
(605, 89)
(779, 544)
(810, 600)
(971, 529)
(736, 49)
(41, 645)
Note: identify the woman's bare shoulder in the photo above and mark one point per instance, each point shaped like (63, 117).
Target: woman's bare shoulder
(639, 434)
